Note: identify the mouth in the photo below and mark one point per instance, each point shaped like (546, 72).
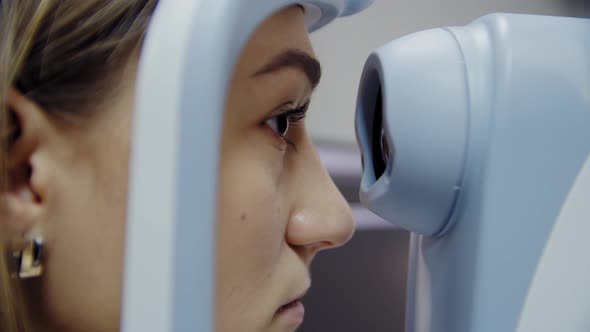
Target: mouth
(291, 305)
(292, 312)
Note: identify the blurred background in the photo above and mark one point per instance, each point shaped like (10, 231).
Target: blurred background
(361, 287)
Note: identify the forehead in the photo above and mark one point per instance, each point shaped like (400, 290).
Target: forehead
(284, 30)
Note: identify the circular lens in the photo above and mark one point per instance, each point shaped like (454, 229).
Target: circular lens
(378, 140)
(384, 147)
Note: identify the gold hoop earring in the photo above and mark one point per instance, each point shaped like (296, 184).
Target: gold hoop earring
(26, 257)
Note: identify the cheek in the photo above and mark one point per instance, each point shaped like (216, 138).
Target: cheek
(250, 242)
(251, 219)
(84, 269)
(87, 230)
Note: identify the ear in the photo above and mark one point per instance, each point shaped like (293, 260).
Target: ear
(23, 196)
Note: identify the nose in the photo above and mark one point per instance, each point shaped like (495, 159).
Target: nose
(321, 217)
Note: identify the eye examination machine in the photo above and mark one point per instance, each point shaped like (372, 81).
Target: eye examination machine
(476, 139)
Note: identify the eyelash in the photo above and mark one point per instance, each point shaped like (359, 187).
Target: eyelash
(292, 117)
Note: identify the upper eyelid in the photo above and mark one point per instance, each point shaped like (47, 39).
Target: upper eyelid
(301, 108)
(297, 114)
(286, 108)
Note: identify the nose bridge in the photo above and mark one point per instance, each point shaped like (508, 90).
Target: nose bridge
(322, 216)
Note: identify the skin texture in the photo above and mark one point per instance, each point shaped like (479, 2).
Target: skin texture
(277, 205)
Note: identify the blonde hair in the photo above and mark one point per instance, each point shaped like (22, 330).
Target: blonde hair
(61, 54)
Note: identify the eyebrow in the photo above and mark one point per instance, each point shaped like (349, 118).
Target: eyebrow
(295, 59)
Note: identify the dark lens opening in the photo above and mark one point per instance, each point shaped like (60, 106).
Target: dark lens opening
(379, 143)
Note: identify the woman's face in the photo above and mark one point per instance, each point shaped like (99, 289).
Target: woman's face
(277, 205)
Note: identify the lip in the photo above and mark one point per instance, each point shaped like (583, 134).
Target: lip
(293, 311)
(291, 315)
(300, 296)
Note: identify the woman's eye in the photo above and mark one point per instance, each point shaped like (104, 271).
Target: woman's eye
(279, 124)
